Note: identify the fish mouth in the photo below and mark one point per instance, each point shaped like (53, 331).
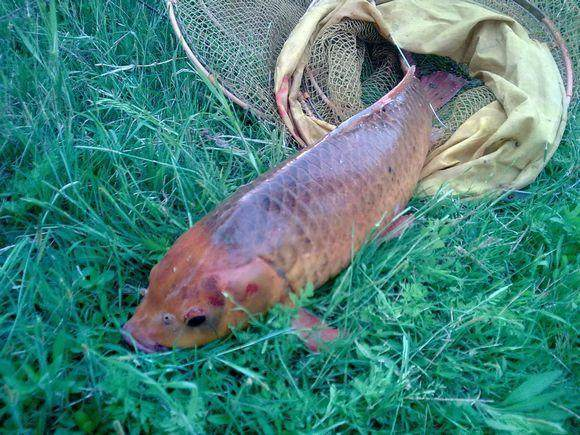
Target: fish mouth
(146, 347)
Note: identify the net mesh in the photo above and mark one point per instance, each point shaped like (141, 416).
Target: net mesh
(350, 65)
(238, 41)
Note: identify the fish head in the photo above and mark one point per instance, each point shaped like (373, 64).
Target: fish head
(168, 318)
(197, 293)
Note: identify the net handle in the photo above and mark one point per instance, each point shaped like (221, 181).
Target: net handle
(200, 67)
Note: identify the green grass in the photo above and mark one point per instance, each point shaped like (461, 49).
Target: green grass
(111, 146)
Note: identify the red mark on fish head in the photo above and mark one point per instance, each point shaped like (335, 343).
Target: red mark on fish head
(217, 300)
(251, 289)
(211, 287)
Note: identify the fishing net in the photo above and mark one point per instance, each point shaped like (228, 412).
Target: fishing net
(348, 62)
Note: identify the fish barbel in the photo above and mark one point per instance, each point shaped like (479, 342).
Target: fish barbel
(298, 223)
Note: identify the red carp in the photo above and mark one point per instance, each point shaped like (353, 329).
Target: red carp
(296, 224)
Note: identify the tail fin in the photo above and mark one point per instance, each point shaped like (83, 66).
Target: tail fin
(440, 87)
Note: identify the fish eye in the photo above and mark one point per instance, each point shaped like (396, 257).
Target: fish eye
(196, 321)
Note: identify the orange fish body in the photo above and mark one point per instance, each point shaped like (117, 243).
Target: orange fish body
(299, 223)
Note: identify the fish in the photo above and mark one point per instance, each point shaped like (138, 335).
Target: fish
(297, 224)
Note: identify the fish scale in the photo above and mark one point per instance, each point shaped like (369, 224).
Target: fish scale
(307, 216)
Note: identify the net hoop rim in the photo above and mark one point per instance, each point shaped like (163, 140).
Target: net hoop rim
(565, 55)
(200, 66)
